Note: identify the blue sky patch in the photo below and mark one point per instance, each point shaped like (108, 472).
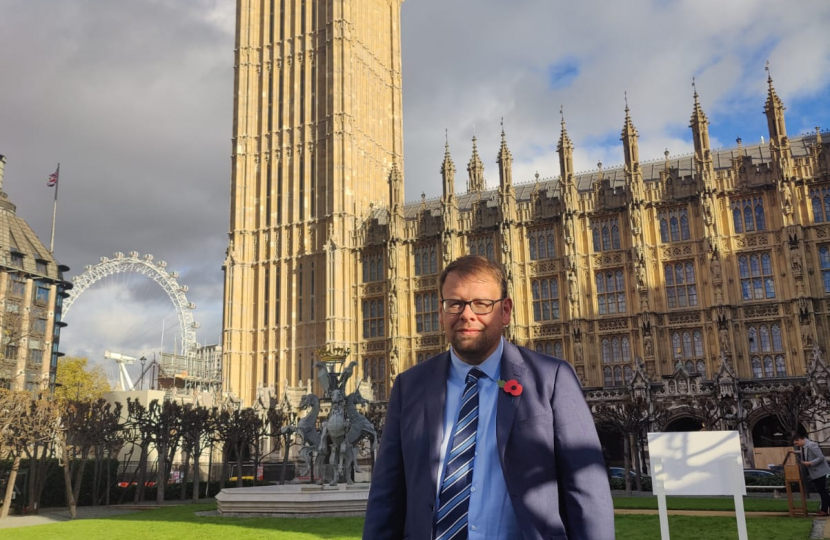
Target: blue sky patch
(563, 73)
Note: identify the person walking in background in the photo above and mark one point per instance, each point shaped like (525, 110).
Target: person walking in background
(813, 458)
(488, 440)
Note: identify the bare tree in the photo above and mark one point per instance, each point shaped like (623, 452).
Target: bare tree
(793, 406)
(34, 423)
(236, 430)
(629, 418)
(196, 427)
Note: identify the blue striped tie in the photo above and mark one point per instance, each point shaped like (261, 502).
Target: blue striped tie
(454, 498)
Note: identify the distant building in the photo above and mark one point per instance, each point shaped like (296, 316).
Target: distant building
(32, 289)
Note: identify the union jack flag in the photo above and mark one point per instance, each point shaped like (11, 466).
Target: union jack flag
(53, 179)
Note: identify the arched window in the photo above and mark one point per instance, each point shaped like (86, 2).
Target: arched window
(626, 350)
(684, 227)
(597, 244)
(824, 263)
(609, 379)
(606, 351)
(737, 220)
(698, 337)
(690, 366)
(664, 231)
(532, 248)
(766, 345)
(675, 230)
(615, 236)
(768, 366)
(756, 368)
(615, 349)
(606, 239)
(752, 333)
(780, 366)
(760, 219)
(749, 222)
(687, 345)
(558, 350)
(818, 213)
(701, 368)
(629, 376)
(618, 380)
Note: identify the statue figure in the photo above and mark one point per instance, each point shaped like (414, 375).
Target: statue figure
(310, 437)
(724, 339)
(715, 265)
(796, 256)
(335, 428)
(359, 428)
(648, 346)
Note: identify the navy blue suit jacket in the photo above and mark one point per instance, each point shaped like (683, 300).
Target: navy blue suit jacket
(548, 447)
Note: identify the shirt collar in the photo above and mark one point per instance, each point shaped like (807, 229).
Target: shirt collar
(491, 366)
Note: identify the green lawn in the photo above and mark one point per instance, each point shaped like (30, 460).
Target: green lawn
(709, 503)
(180, 523)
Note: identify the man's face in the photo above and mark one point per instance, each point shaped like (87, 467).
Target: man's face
(474, 337)
(799, 442)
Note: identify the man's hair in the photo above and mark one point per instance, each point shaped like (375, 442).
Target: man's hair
(474, 265)
(798, 437)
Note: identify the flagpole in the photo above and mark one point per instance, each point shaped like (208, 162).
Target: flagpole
(55, 209)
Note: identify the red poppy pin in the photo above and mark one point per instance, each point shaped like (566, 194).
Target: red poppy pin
(512, 387)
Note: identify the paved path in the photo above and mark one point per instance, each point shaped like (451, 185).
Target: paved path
(57, 515)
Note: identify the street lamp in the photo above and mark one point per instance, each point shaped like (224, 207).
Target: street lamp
(143, 360)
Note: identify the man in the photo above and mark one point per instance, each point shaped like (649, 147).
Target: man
(813, 458)
(488, 440)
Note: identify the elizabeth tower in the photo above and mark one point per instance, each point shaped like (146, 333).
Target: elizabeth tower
(318, 142)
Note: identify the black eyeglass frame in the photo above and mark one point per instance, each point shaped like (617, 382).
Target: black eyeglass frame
(464, 303)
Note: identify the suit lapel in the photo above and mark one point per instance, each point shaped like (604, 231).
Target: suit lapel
(435, 396)
(512, 367)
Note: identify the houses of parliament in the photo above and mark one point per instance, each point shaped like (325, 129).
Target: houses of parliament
(689, 273)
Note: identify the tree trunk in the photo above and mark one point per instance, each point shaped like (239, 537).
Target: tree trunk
(285, 459)
(627, 464)
(197, 454)
(210, 471)
(637, 469)
(71, 503)
(239, 465)
(7, 498)
(96, 475)
(162, 466)
(185, 470)
(142, 475)
(226, 454)
(79, 474)
(109, 476)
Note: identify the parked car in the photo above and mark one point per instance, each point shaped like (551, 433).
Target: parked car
(755, 473)
(619, 472)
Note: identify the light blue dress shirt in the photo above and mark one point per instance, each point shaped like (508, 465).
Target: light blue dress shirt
(491, 515)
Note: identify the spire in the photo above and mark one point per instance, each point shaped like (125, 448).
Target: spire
(774, 110)
(700, 128)
(565, 148)
(629, 139)
(505, 161)
(395, 186)
(475, 168)
(448, 171)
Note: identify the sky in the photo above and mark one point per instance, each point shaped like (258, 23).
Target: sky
(134, 99)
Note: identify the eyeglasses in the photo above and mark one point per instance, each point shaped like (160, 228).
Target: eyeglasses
(478, 306)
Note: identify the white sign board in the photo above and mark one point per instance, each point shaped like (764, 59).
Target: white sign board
(697, 463)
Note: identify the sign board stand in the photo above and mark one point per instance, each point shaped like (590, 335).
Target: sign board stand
(792, 475)
(697, 463)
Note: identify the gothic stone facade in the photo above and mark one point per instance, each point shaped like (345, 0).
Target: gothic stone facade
(685, 275)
